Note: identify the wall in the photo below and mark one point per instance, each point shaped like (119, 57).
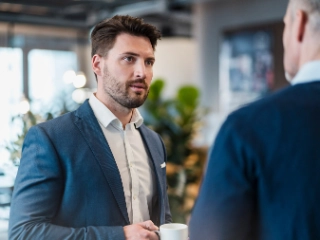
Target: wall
(175, 63)
(210, 19)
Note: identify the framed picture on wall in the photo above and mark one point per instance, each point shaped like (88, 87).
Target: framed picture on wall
(247, 65)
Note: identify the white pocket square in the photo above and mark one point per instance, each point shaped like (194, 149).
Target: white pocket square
(163, 165)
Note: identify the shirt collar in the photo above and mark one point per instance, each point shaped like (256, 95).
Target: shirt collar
(309, 72)
(137, 119)
(106, 117)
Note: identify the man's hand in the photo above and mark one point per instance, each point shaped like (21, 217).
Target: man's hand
(141, 231)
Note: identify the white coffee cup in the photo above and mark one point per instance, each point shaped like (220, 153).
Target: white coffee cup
(174, 231)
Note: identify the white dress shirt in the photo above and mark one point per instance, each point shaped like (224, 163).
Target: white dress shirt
(130, 154)
(309, 72)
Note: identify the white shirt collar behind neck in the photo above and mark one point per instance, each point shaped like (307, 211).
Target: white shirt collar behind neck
(309, 72)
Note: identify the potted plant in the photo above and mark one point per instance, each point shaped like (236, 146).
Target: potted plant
(177, 121)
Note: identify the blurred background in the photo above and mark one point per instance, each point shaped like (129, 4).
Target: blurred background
(215, 56)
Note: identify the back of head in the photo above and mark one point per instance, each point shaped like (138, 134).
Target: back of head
(312, 8)
(301, 35)
(104, 33)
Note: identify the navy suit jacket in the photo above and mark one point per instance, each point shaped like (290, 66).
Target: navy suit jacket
(68, 185)
(262, 180)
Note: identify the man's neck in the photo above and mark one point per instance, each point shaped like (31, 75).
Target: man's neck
(310, 50)
(122, 113)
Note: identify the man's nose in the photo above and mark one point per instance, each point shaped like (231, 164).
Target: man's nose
(140, 69)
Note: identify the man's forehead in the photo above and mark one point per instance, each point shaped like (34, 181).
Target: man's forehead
(132, 39)
(126, 43)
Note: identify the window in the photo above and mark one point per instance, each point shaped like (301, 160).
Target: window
(47, 87)
(10, 95)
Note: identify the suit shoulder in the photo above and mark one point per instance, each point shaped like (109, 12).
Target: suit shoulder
(62, 122)
(267, 102)
(268, 108)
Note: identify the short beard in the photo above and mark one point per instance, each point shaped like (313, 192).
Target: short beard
(115, 90)
(130, 102)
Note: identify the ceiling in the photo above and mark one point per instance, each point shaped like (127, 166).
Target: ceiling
(83, 14)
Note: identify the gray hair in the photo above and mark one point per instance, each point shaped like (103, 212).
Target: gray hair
(312, 7)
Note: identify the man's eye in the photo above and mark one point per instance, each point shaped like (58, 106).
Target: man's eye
(128, 59)
(149, 63)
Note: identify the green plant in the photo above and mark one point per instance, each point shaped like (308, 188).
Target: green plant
(177, 120)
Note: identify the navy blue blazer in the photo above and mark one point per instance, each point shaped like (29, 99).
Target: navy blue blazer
(68, 185)
(262, 180)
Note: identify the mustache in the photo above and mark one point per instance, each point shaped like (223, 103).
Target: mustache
(140, 81)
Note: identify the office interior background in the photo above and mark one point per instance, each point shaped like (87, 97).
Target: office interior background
(230, 50)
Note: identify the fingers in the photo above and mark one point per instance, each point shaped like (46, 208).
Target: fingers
(148, 235)
(149, 225)
(154, 236)
(141, 231)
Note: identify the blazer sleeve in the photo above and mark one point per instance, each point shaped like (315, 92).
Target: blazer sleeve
(37, 196)
(225, 207)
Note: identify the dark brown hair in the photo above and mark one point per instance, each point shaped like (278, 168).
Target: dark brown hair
(104, 33)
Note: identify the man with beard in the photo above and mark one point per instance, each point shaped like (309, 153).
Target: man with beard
(262, 180)
(98, 172)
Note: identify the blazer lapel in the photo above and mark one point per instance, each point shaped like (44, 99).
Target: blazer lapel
(154, 150)
(91, 130)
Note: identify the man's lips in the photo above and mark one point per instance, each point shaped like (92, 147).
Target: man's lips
(138, 86)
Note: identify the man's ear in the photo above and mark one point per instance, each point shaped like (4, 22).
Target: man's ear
(300, 24)
(96, 64)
